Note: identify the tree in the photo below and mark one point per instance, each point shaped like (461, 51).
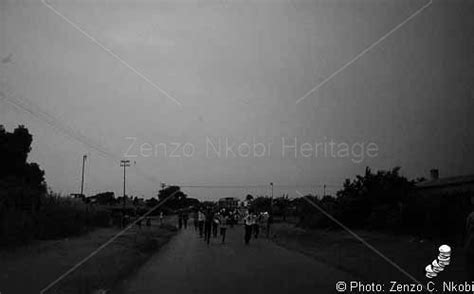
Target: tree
(382, 200)
(374, 199)
(175, 198)
(281, 205)
(195, 203)
(249, 197)
(105, 198)
(152, 202)
(22, 183)
(305, 211)
(261, 204)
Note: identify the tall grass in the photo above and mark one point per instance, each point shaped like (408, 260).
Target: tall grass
(58, 217)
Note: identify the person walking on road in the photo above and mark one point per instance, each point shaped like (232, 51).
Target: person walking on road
(148, 222)
(185, 219)
(215, 224)
(256, 225)
(161, 218)
(232, 218)
(269, 224)
(196, 221)
(223, 221)
(248, 224)
(208, 226)
(266, 221)
(180, 220)
(201, 219)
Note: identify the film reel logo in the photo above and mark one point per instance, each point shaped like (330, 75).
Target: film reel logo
(438, 265)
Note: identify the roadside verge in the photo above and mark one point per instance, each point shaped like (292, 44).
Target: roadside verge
(30, 269)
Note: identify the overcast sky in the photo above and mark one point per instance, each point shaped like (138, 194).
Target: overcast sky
(99, 71)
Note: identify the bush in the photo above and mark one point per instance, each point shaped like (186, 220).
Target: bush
(101, 218)
(387, 201)
(17, 228)
(378, 201)
(26, 211)
(58, 218)
(384, 217)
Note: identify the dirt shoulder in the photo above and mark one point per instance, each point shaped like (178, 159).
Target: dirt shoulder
(29, 269)
(341, 250)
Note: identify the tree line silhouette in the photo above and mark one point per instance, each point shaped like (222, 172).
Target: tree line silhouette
(27, 209)
(382, 200)
(22, 184)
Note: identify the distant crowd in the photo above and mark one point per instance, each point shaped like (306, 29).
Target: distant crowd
(208, 222)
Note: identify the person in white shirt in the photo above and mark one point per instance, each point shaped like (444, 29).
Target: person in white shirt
(215, 225)
(267, 221)
(248, 223)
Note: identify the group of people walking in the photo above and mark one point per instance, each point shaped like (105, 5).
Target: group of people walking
(210, 223)
(207, 222)
(254, 222)
(183, 220)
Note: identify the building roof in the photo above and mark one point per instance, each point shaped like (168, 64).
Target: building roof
(443, 182)
(229, 199)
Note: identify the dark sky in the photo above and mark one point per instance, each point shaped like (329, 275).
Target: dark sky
(100, 71)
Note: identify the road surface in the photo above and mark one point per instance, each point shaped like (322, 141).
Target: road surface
(188, 265)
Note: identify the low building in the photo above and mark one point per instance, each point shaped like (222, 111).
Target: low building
(447, 202)
(78, 196)
(449, 185)
(229, 203)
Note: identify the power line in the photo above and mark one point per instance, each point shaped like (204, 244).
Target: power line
(256, 186)
(71, 133)
(61, 128)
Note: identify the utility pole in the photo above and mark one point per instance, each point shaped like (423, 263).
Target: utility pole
(124, 164)
(82, 179)
(271, 200)
(324, 190)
